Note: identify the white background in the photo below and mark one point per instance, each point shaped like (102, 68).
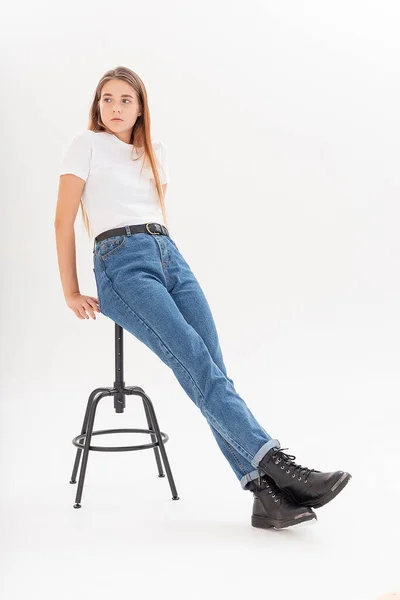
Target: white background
(282, 122)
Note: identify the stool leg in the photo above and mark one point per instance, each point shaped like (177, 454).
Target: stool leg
(153, 439)
(147, 402)
(88, 436)
(83, 430)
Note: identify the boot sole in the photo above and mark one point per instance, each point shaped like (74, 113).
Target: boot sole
(268, 523)
(333, 492)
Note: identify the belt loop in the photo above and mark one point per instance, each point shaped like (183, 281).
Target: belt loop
(128, 230)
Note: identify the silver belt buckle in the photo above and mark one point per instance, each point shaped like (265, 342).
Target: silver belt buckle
(152, 232)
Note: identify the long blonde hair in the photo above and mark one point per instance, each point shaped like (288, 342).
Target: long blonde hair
(140, 137)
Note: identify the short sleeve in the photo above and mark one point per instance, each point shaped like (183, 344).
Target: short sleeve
(76, 159)
(164, 174)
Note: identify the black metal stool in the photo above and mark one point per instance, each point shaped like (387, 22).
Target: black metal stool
(119, 391)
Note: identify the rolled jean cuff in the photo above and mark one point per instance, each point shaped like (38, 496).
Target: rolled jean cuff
(255, 462)
(263, 451)
(249, 477)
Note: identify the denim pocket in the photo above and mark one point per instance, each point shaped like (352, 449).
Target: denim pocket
(110, 245)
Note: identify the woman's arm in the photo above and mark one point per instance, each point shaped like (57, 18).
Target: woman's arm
(69, 195)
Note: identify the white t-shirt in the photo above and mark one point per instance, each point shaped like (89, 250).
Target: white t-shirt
(115, 193)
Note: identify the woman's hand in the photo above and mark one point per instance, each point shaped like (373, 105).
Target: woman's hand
(80, 304)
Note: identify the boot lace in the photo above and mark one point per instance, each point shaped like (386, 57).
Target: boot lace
(265, 482)
(288, 461)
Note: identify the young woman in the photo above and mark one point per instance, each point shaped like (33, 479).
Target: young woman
(118, 173)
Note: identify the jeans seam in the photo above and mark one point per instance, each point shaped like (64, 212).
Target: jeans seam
(234, 455)
(217, 426)
(164, 265)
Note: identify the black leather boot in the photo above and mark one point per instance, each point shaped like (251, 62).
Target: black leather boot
(306, 486)
(272, 508)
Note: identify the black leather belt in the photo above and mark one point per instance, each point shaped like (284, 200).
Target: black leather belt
(152, 228)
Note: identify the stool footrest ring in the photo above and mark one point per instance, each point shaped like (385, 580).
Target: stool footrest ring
(79, 444)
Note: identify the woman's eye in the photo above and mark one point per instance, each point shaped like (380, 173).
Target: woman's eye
(105, 99)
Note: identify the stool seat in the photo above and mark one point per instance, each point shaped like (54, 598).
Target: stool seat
(119, 391)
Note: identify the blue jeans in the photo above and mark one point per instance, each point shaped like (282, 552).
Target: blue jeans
(145, 285)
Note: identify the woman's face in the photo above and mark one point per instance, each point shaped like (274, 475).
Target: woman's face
(118, 100)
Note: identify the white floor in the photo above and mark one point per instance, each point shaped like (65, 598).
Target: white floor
(333, 404)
